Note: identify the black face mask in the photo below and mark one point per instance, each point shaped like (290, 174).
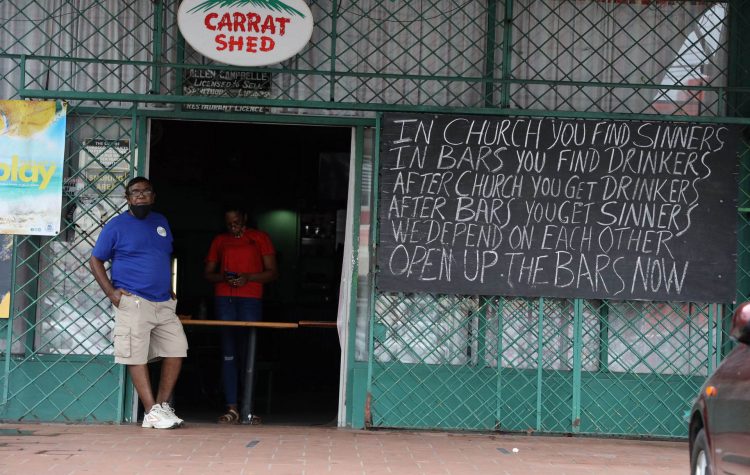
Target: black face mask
(140, 211)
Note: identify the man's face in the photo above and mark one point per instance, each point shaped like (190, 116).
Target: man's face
(235, 223)
(141, 194)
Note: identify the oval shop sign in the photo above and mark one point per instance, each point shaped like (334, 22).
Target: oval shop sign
(246, 32)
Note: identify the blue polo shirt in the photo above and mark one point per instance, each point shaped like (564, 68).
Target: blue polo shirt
(140, 251)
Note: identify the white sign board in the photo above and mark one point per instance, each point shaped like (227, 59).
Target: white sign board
(246, 32)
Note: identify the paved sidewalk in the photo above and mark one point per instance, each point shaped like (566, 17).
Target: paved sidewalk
(32, 449)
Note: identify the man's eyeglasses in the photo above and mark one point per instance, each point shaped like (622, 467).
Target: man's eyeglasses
(137, 193)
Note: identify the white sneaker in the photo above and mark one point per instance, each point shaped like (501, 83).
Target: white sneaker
(170, 410)
(158, 418)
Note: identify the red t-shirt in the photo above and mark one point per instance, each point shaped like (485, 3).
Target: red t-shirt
(242, 255)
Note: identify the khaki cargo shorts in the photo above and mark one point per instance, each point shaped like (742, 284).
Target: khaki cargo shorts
(145, 331)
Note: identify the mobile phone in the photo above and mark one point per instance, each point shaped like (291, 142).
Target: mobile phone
(231, 275)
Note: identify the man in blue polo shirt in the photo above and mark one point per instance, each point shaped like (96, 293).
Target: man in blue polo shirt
(139, 245)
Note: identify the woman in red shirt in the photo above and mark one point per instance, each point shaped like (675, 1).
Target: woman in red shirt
(239, 262)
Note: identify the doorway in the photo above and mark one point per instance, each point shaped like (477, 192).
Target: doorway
(293, 181)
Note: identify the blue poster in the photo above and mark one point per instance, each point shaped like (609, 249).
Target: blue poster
(32, 147)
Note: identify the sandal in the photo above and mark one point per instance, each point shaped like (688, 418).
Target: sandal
(231, 417)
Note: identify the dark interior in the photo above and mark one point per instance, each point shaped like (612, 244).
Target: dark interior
(293, 182)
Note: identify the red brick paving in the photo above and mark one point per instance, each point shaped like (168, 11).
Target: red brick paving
(54, 449)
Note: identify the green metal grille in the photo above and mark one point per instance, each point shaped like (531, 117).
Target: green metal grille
(59, 368)
(655, 58)
(434, 360)
(613, 56)
(539, 365)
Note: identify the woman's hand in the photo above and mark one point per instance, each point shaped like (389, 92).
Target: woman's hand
(239, 281)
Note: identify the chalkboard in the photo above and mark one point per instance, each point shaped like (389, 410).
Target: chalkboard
(560, 208)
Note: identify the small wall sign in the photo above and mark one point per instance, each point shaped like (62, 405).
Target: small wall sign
(246, 32)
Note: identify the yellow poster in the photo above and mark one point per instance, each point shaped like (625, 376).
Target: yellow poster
(32, 147)
(5, 306)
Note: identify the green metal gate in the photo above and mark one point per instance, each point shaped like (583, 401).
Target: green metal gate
(56, 349)
(59, 367)
(429, 361)
(566, 366)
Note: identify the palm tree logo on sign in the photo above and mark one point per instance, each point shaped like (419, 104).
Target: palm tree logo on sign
(276, 5)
